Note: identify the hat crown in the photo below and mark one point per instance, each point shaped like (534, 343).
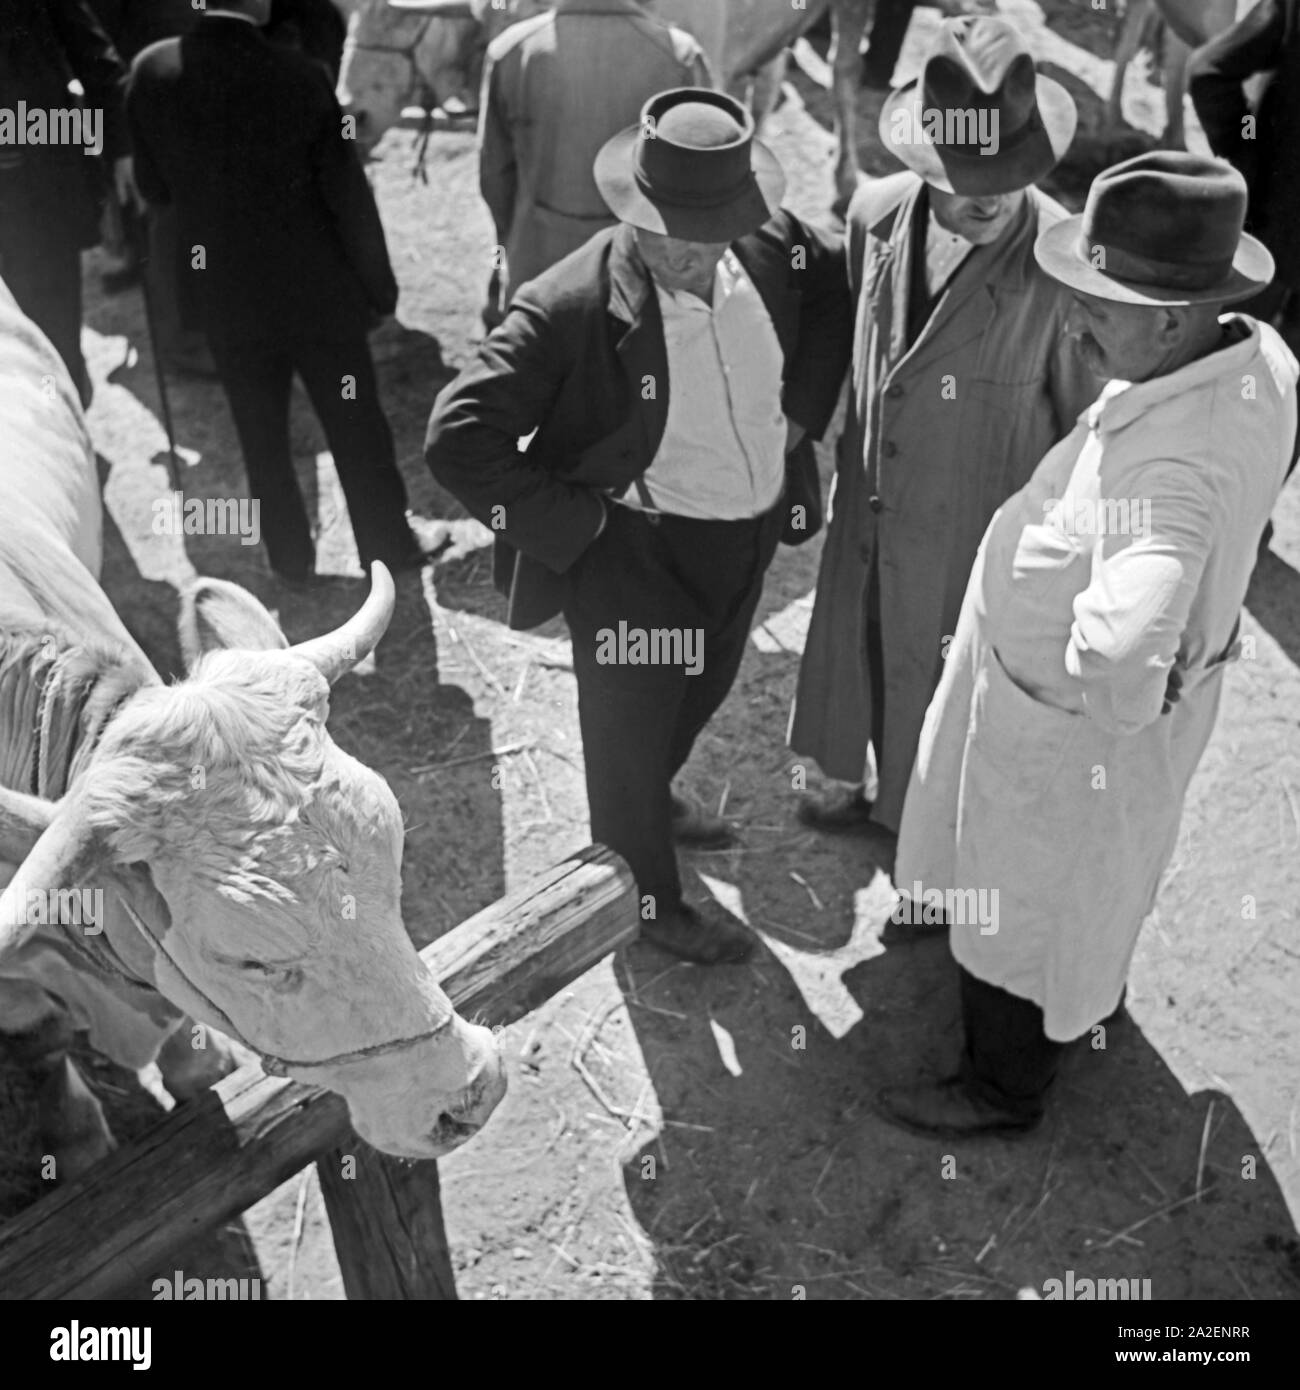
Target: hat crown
(1167, 218)
(981, 62)
(699, 125)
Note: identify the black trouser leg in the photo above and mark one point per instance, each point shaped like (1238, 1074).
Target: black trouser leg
(1007, 1060)
(888, 31)
(257, 379)
(362, 445)
(639, 720)
(45, 278)
(725, 646)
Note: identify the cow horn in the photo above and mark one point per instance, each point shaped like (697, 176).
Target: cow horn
(444, 9)
(23, 820)
(65, 855)
(337, 652)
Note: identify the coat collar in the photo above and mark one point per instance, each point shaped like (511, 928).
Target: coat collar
(629, 281)
(1000, 268)
(1123, 402)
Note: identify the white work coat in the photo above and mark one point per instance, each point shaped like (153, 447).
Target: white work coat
(1046, 771)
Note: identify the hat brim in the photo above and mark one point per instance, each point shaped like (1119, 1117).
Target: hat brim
(978, 174)
(1057, 251)
(758, 201)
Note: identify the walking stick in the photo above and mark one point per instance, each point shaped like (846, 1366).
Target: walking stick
(138, 233)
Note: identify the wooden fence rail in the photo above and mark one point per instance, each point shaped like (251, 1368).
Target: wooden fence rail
(210, 1159)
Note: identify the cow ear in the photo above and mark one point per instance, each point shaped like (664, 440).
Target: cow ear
(219, 616)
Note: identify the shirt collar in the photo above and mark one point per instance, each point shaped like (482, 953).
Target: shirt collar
(1122, 402)
(232, 14)
(727, 278)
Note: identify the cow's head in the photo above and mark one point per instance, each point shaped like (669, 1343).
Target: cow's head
(272, 903)
(418, 51)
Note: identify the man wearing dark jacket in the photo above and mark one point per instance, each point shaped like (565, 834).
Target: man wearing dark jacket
(668, 366)
(286, 262)
(51, 193)
(1265, 147)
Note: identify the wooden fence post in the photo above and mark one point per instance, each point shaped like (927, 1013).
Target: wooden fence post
(387, 1222)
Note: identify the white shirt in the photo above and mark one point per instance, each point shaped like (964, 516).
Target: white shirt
(722, 456)
(944, 252)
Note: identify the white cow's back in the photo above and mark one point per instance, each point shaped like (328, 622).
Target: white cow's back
(47, 463)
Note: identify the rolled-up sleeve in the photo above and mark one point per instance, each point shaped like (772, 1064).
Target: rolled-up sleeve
(1129, 622)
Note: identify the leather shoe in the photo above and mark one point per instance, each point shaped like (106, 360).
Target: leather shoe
(838, 812)
(693, 825)
(705, 933)
(947, 1110)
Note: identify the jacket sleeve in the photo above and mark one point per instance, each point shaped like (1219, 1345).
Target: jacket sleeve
(472, 445)
(1217, 71)
(337, 171)
(498, 173)
(97, 66)
(1129, 621)
(825, 341)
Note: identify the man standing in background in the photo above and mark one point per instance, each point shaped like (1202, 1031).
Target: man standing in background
(555, 88)
(286, 260)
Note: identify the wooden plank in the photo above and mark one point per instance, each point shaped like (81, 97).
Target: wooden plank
(386, 1216)
(214, 1156)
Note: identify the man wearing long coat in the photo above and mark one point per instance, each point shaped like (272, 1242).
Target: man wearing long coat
(1103, 609)
(962, 378)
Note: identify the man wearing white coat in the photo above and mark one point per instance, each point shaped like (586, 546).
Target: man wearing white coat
(1085, 673)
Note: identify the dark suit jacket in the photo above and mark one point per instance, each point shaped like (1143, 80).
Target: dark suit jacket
(581, 359)
(246, 139)
(1267, 39)
(43, 45)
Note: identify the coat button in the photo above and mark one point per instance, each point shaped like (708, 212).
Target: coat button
(864, 554)
(874, 502)
(893, 389)
(889, 449)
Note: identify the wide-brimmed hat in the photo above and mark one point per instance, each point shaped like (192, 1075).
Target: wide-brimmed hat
(1162, 228)
(690, 168)
(980, 119)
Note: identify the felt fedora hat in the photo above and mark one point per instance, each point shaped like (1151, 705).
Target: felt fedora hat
(691, 168)
(980, 119)
(1162, 228)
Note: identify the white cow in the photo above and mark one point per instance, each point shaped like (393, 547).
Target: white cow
(210, 852)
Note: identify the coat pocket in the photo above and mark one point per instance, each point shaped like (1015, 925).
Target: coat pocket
(1018, 739)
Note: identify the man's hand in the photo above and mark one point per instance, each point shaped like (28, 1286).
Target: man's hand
(124, 185)
(793, 434)
(1173, 689)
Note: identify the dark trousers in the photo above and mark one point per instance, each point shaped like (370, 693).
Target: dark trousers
(258, 379)
(1007, 1059)
(888, 31)
(639, 722)
(44, 275)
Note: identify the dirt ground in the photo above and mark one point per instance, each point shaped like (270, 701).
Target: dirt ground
(715, 1156)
